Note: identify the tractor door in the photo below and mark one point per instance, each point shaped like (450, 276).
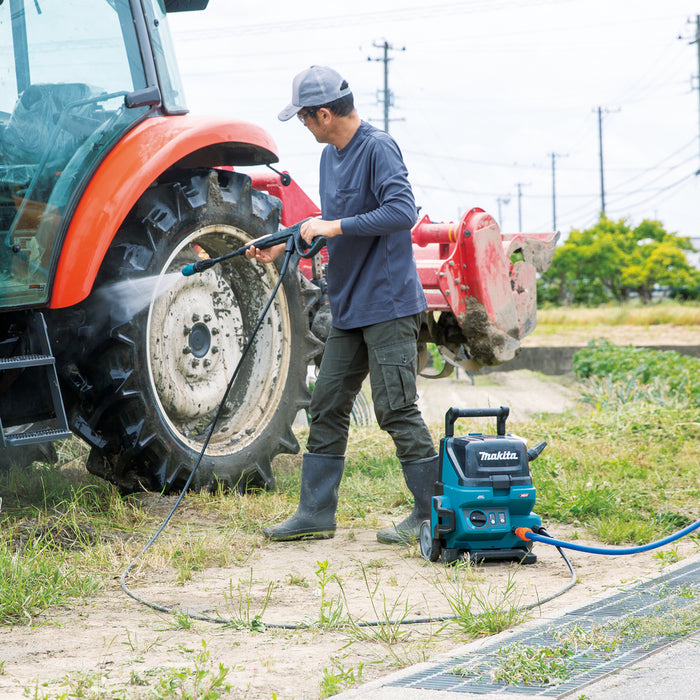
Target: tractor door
(73, 82)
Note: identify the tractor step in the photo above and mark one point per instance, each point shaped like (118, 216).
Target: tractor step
(32, 438)
(34, 375)
(26, 361)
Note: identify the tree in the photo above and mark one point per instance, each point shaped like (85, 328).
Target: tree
(611, 260)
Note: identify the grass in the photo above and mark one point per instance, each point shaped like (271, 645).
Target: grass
(631, 314)
(556, 662)
(338, 678)
(200, 680)
(479, 609)
(36, 576)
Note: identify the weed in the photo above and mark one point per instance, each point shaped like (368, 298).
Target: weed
(239, 605)
(662, 377)
(522, 664)
(387, 628)
(190, 556)
(479, 612)
(554, 663)
(676, 622)
(331, 608)
(619, 528)
(139, 650)
(297, 580)
(629, 314)
(193, 683)
(198, 681)
(339, 678)
(181, 620)
(574, 499)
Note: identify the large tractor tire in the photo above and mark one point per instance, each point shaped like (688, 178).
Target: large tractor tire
(149, 382)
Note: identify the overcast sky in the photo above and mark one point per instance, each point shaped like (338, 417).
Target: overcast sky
(484, 91)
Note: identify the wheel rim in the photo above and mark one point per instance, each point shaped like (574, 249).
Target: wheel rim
(196, 333)
(426, 539)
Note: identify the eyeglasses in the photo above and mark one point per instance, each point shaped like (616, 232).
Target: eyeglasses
(310, 111)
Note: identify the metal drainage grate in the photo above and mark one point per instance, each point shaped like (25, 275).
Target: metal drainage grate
(663, 596)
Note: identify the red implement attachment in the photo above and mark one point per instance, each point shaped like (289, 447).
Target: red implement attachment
(480, 284)
(485, 278)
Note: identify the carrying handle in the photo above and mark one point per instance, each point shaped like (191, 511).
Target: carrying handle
(454, 413)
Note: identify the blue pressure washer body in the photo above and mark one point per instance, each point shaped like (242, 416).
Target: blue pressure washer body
(485, 491)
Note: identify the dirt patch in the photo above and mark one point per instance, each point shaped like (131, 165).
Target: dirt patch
(118, 643)
(526, 393)
(664, 335)
(116, 646)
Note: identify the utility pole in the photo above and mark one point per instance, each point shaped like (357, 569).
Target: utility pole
(388, 97)
(501, 200)
(520, 185)
(554, 190)
(697, 43)
(600, 153)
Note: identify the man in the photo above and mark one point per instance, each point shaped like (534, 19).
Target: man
(376, 300)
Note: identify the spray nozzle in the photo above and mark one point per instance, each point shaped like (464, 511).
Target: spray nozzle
(199, 266)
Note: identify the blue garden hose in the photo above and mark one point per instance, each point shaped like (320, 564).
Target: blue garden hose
(527, 534)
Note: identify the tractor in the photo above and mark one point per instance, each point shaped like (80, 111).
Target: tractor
(107, 183)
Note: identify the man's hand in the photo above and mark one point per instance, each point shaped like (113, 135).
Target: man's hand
(318, 227)
(265, 255)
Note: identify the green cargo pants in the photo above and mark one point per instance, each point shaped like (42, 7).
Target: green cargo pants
(388, 352)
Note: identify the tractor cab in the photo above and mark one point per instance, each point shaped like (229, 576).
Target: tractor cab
(76, 77)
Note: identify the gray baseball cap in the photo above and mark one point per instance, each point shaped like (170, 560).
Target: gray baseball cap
(314, 86)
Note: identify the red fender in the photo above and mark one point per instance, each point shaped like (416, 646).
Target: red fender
(130, 167)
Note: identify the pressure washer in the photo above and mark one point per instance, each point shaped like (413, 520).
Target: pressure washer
(485, 491)
(483, 503)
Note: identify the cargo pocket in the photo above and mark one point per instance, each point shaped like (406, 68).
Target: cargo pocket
(398, 364)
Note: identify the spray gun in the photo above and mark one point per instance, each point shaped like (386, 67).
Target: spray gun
(293, 234)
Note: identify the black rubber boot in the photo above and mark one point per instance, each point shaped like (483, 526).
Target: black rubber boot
(315, 515)
(420, 478)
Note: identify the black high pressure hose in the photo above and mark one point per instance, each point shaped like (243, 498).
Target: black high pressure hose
(293, 243)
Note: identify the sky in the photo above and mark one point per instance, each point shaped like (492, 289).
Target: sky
(497, 104)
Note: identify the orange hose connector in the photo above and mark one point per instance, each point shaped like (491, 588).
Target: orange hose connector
(521, 532)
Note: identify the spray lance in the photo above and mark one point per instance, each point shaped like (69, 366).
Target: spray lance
(286, 235)
(294, 243)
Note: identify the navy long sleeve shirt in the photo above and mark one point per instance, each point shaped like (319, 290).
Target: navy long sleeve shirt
(372, 274)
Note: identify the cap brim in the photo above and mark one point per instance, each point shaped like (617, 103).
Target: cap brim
(288, 112)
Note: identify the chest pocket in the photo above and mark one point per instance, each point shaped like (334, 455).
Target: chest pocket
(348, 197)
(398, 363)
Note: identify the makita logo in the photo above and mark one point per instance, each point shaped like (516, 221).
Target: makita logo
(503, 454)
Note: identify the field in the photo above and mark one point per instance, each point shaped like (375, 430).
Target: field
(310, 619)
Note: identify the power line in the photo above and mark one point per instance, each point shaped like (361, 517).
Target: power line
(546, 166)
(406, 14)
(659, 191)
(645, 187)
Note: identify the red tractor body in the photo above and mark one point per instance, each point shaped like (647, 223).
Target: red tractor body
(107, 186)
